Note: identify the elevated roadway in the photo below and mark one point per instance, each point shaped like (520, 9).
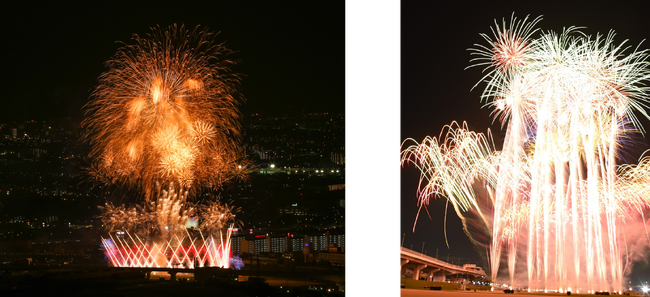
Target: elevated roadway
(435, 269)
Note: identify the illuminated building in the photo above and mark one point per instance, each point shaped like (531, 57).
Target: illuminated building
(258, 245)
(338, 158)
(297, 244)
(279, 244)
(338, 241)
(236, 243)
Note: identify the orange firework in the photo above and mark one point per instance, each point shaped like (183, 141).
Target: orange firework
(166, 111)
(166, 216)
(164, 116)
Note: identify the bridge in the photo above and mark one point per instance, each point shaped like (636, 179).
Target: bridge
(437, 270)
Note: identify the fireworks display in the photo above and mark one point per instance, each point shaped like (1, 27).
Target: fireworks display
(164, 122)
(164, 220)
(561, 208)
(126, 250)
(165, 112)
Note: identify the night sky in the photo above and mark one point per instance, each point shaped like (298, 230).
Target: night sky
(435, 88)
(290, 53)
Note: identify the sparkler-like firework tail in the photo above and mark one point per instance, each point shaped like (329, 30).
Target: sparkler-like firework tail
(171, 211)
(451, 167)
(559, 193)
(169, 243)
(161, 217)
(163, 222)
(127, 250)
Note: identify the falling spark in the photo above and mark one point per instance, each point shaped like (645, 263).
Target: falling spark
(142, 236)
(164, 122)
(127, 250)
(166, 112)
(556, 194)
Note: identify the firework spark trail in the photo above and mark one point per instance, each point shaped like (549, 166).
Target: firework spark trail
(165, 112)
(567, 101)
(165, 217)
(123, 252)
(164, 122)
(165, 214)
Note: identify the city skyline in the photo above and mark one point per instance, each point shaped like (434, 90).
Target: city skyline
(295, 145)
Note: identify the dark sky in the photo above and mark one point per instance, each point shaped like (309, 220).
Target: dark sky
(292, 53)
(435, 88)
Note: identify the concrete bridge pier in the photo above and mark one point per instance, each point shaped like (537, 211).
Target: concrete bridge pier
(172, 275)
(440, 275)
(402, 263)
(416, 271)
(431, 272)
